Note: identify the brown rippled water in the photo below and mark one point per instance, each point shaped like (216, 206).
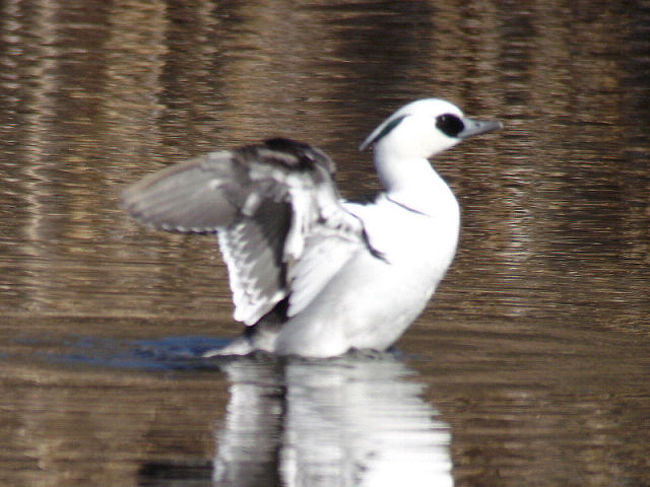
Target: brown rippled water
(530, 366)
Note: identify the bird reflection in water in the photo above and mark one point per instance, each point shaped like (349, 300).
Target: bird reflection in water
(351, 421)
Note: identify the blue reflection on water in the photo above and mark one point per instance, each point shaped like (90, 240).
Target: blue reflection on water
(167, 353)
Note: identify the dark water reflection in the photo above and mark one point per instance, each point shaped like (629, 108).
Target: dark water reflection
(535, 350)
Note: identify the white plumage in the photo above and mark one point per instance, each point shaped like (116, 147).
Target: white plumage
(312, 274)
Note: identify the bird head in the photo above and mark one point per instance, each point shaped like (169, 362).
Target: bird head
(424, 128)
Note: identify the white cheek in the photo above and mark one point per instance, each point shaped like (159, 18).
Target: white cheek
(425, 137)
(439, 142)
(416, 137)
(412, 137)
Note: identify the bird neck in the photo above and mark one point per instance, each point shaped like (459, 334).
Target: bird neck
(413, 183)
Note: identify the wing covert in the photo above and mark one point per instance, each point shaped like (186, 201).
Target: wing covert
(281, 227)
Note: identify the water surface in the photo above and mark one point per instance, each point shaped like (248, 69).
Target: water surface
(530, 366)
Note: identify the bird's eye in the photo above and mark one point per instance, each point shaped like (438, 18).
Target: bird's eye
(449, 124)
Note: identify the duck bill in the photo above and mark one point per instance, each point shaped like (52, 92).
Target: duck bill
(477, 127)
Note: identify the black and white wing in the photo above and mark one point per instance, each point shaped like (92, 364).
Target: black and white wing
(281, 227)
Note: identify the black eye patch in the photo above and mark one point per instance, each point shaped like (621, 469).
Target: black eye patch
(449, 124)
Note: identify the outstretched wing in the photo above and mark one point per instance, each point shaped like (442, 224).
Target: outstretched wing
(282, 230)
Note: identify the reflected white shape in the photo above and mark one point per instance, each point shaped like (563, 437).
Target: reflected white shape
(352, 421)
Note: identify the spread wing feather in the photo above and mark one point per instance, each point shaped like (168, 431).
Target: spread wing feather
(252, 249)
(281, 227)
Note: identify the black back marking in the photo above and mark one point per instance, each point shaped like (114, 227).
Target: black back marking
(286, 153)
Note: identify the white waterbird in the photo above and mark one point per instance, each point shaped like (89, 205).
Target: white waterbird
(313, 274)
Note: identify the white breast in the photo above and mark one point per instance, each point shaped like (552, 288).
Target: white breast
(371, 301)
